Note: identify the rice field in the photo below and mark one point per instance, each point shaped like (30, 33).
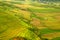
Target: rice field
(21, 21)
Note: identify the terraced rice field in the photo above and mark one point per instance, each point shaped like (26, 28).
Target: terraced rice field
(28, 22)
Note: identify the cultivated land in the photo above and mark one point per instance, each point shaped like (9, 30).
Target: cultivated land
(33, 21)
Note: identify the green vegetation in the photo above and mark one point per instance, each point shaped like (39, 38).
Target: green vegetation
(34, 21)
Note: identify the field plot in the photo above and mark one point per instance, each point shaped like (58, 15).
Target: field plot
(29, 20)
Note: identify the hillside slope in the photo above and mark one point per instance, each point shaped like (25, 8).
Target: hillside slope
(28, 22)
